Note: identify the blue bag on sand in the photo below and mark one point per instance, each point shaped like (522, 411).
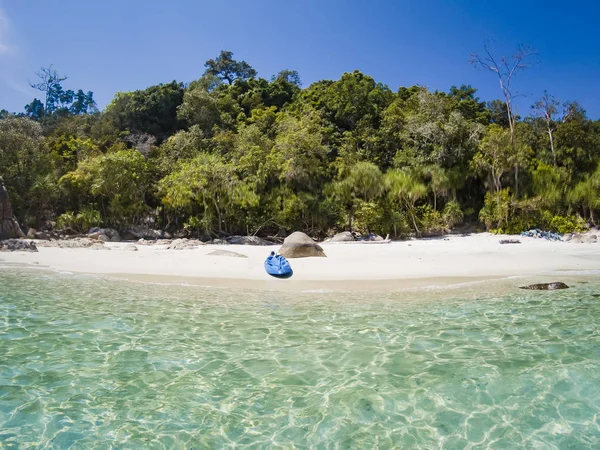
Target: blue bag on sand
(278, 266)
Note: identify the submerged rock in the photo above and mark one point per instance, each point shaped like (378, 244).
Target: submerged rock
(226, 253)
(546, 286)
(17, 245)
(300, 245)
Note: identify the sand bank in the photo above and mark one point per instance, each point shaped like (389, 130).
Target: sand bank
(445, 261)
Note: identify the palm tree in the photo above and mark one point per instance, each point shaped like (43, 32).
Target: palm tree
(405, 189)
(587, 193)
(363, 181)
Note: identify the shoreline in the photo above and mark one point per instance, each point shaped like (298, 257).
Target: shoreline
(446, 263)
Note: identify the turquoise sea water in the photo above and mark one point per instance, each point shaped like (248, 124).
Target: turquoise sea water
(94, 364)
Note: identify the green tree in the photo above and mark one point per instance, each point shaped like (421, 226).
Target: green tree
(228, 69)
(361, 181)
(404, 190)
(207, 184)
(24, 162)
(151, 111)
(117, 180)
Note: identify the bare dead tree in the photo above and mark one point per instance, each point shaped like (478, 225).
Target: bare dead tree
(546, 108)
(505, 69)
(142, 142)
(49, 81)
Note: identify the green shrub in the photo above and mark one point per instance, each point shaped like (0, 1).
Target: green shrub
(193, 224)
(67, 220)
(87, 218)
(494, 213)
(562, 224)
(82, 221)
(368, 218)
(431, 220)
(452, 214)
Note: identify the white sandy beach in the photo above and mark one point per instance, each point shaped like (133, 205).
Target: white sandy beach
(449, 260)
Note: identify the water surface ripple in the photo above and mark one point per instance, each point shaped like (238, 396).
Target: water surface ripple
(94, 364)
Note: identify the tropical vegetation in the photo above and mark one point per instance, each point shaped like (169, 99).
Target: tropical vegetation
(234, 153)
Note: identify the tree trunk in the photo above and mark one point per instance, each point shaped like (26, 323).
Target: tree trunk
(552, 144)
(516, 182)
(220, 229)
(350, 217)
(412, 215)
(9, 227)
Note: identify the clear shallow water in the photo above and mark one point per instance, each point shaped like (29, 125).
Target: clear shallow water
(87, 363)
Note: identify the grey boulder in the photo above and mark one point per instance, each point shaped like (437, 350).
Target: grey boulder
(344, 236)
(248, 240)
(300, 245)
(104, 234)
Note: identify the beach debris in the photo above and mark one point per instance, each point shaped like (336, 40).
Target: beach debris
(540, 234)
(546, 286)
(510, 241)
(9, 227)
(226, 253)
(185, 244)
(99, 246)
(130, 248)
(17, 245)
(300, 245)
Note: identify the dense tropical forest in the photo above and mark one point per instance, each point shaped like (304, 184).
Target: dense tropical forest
(234, 153)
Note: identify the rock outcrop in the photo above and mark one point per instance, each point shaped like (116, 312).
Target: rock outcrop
(300, 245)
(17, 245)
(104, 235)
(9, 227)
(546, 286)
(139, 232)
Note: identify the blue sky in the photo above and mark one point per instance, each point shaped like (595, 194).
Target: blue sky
(119, 45)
